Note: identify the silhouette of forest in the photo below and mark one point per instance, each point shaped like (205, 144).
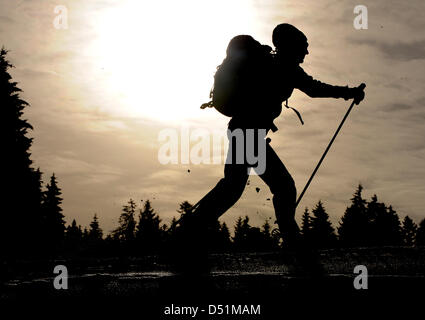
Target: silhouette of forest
(33, 225)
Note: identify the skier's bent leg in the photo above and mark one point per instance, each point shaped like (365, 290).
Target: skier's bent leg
(195, 224)
(282, 186)
(224, 195)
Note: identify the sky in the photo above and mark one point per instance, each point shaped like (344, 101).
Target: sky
(102, 90)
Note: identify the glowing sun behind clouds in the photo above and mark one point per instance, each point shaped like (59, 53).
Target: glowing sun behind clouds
(159, 57)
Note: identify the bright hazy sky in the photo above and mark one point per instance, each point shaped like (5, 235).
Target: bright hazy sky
(101, 91)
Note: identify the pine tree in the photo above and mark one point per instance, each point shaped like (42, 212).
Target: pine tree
(185, 221)
(269, 242)
(73, 235)
(224, 239)
(409, 231)
(54, 223)
(375, 212)
(393, 234)
(216, 236)
(85, 236)
(266, 230)
(148, 230)
(306, 225)
(384, 228)
(184, 208)
(420, 234)
(241, 236)
(73, 231)
(21, 232)
(95, 232)
(125, 233)
(322, 232)
(173, 225)
(354, 222)
(171, 232)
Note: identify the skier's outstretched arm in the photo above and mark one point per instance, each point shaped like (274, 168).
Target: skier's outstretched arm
(317, 89)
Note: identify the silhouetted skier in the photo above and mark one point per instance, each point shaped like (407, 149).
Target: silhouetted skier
(255, 107)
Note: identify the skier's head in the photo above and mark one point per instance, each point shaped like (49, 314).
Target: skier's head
(290, 42)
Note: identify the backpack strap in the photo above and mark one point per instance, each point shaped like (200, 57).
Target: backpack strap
(295, 110)
(208, 104)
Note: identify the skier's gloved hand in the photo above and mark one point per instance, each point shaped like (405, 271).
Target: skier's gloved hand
(357, 93)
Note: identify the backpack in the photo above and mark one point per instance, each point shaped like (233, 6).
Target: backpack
(239, 79)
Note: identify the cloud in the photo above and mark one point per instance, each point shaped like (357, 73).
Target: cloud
(4, 19)
(395, 107)
(403, 51)
(33, 74)
(89, 173)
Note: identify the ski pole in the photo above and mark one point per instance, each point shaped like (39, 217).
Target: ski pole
(362, 86)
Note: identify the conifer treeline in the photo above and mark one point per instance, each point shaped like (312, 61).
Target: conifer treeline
(364, 223)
